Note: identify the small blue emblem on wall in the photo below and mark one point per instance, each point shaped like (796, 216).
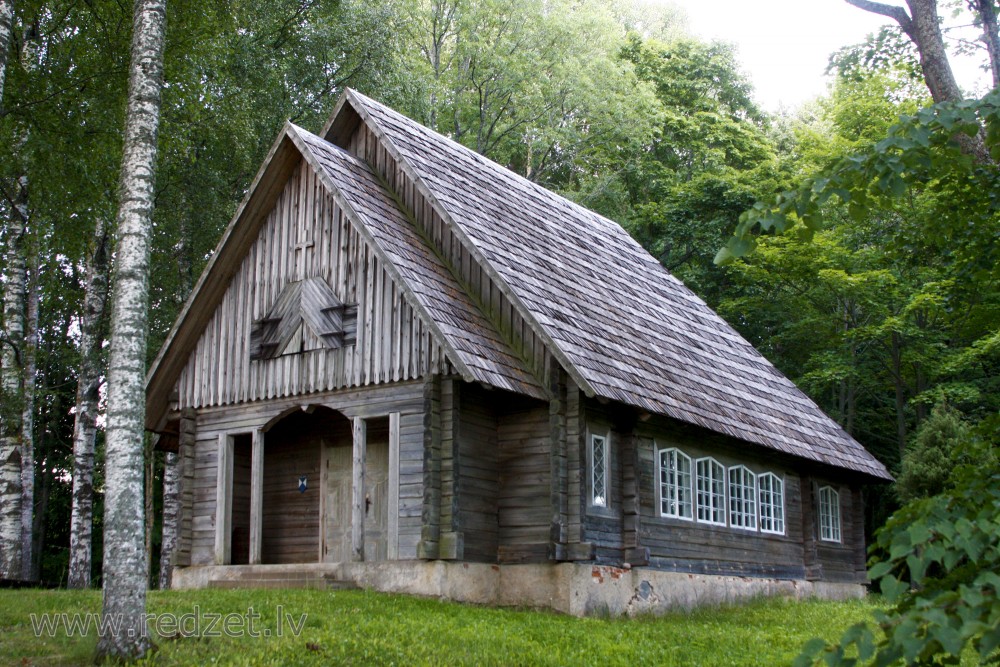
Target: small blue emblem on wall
(303, 484)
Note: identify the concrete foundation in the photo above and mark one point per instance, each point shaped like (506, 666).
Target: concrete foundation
(571, 588)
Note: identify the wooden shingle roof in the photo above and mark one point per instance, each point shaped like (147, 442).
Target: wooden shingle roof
(625, 328)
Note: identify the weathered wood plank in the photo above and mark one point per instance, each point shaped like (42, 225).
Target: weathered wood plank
(359, 440)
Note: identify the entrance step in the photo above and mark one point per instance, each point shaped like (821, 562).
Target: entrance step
(281, 577)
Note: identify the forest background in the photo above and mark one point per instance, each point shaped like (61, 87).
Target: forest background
(884, 308)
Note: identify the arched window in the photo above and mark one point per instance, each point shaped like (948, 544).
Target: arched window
(771, 490)
(829, 514)
(675, 484)
(742, 498)
(710, 485)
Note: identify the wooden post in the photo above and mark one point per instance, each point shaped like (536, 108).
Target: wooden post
(558, 482)
(810, 559)
(430, 516)
(256, 495)
(358, 491)
(186, 444)
(393, 538)
(223, 500)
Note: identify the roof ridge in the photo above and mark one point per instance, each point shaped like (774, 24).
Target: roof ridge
(304, 136)
(525, 313)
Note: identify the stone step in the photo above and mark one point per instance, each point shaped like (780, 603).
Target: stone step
(313, 583)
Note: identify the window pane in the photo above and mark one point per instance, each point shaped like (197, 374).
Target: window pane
(742, 498)
(829, 514)
(710, 491)
(772, 503)
(675, 484)
(600, 467)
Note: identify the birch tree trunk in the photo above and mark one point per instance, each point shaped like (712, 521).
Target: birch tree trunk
(171, 517)
(85, 422)
(124, 548)
(11, 387)
(6, 25)
(29, 373)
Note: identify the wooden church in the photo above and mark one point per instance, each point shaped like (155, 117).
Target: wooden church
(407, 368)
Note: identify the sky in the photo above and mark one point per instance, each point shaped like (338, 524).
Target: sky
(784, 45)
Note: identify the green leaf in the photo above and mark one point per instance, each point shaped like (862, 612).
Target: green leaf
(892, 588)
(879, 570)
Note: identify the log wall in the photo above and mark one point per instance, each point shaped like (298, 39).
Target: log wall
(479, 477)
(524, 509)
(634, 531)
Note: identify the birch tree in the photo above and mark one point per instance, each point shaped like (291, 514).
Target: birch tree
(29, 371)
(6, 23)
(11, 486)
(85, 419)
(124, 549)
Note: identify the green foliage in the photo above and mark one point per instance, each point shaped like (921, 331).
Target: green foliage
(534, 85)
(680, 193)
(920, 154)
(929, 460)
(939, 571)
(356, 627)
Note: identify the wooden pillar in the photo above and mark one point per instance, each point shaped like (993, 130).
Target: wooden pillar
(810, 533)
(858, 535)
(256, 495)
(558, 487)
(358, 491)
(451, 544)
(632, 550)
(186, 443)
(224, 500)
(430, 530)
(393, 527)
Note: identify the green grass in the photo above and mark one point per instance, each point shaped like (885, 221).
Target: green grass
(364, 628)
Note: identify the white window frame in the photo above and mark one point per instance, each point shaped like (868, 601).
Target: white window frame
(829, 515)
(675, 484)
(771, 503)
(605, 479)
(710, 491)
(742, 498)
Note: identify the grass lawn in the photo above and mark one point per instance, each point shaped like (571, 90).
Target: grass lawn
(364, 628)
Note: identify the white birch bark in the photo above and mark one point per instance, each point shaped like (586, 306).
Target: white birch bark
(6, 25)
(85, 421)
(171, 517)
(28, 562)
(11, 565)
(124, 548)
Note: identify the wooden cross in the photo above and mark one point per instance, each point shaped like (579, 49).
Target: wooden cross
(300, 257)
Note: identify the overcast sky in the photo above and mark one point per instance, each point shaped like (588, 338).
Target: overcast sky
(785, 45)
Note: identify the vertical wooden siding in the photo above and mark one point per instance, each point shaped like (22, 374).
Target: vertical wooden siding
(307, 235)
(456, 256)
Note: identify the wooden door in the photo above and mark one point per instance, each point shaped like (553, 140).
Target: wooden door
(337, 512)
(377, 497)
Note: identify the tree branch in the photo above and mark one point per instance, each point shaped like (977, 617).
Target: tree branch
(897, 14)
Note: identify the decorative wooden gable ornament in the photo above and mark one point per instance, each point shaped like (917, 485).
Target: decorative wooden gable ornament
(304, 307)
